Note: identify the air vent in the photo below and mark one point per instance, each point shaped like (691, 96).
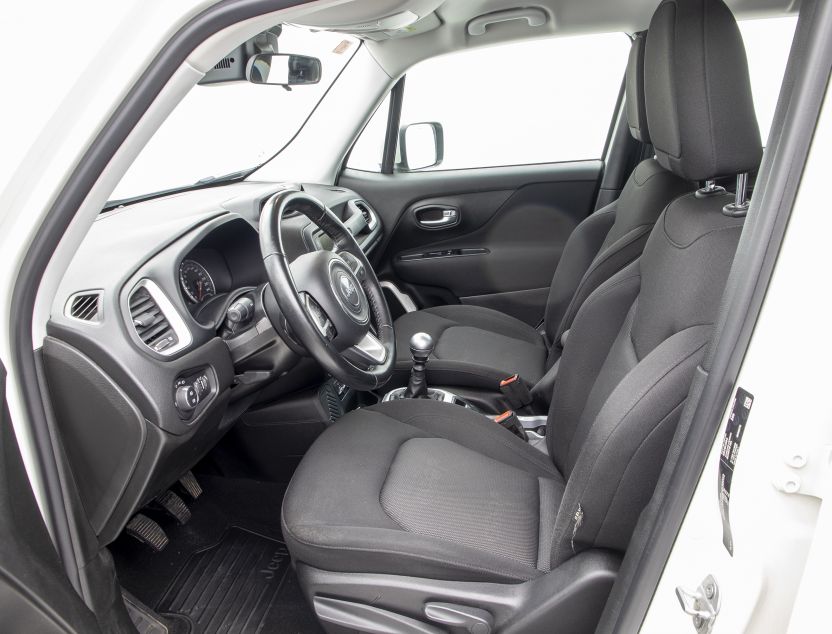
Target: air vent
(156, 321)
(364, 209)
(85, 306)
(224, 63)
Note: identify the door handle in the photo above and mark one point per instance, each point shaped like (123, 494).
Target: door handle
(437, 217)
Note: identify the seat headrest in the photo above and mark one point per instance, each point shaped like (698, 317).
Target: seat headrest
(698, 93)
(634, 89)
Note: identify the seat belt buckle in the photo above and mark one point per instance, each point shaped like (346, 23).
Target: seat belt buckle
(515, 391)
(509, 420)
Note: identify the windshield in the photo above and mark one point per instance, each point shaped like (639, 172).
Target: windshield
(220, 129)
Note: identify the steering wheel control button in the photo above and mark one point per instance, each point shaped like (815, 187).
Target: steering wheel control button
(319, 318)
(354, 264)
(241, 311)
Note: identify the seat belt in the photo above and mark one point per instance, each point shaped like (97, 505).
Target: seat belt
(509, 420)
(515, 391)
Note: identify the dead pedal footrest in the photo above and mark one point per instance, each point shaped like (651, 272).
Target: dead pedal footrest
(175, 506)
(189, 483)
(145, 619)
(147, 531)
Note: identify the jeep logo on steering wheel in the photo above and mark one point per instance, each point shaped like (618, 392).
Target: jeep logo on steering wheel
(348, 290)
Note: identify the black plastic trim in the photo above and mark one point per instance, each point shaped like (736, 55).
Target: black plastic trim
(569, 598)
(614, 119)
(391, 135)
(36, 595)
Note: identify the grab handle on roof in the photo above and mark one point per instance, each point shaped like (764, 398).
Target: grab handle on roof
(535, 17)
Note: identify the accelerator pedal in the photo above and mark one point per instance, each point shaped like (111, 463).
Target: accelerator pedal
(147, 531)
(175, 506)
(189, 483)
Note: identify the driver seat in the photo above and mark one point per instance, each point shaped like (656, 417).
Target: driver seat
(419, 516)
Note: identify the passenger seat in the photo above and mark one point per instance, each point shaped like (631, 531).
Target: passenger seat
(477, 347)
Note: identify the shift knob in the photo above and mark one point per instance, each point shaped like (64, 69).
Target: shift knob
(421, 345)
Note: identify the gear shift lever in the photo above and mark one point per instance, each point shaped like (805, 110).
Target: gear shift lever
(421, 346)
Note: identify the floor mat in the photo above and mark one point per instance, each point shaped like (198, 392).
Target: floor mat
(232, 587)
(229, 555)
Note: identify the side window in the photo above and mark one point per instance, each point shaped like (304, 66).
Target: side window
(366, 154)
(767, 43)
(540, 101)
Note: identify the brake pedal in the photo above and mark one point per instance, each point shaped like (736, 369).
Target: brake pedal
(175, 506)
(147, 531)
(189, 483)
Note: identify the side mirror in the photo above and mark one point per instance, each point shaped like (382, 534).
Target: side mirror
(421, 145)
(283, 70)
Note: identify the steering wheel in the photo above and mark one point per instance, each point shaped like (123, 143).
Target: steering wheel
(331, 300)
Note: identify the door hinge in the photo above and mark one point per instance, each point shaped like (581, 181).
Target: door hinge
(702, 604)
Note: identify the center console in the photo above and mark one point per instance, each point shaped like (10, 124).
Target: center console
(421, 347)
(531, 429)
(433, 393)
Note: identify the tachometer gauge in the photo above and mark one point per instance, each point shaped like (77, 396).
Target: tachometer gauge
(195, 282)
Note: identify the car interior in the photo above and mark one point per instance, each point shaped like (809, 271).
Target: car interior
(420, 398)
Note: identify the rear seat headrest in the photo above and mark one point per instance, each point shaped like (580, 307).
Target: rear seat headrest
(634, 88)
(698, 93)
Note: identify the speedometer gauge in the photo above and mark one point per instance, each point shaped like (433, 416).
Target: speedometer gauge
(195, 281)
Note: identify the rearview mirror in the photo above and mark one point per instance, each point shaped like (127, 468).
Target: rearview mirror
(283, 70)
(421, 145)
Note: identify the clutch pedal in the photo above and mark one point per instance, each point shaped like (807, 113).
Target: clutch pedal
(147, 531)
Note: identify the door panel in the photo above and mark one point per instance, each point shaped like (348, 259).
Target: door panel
(35, 595)
(512, 225)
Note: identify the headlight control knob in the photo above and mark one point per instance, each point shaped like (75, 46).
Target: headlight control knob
(187, 398)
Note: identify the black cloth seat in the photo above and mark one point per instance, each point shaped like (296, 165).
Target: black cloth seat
(478, 347)
(430, 490)
(475, 346)
(418, 485)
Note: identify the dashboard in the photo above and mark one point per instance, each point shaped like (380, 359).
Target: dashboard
(158, 339)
